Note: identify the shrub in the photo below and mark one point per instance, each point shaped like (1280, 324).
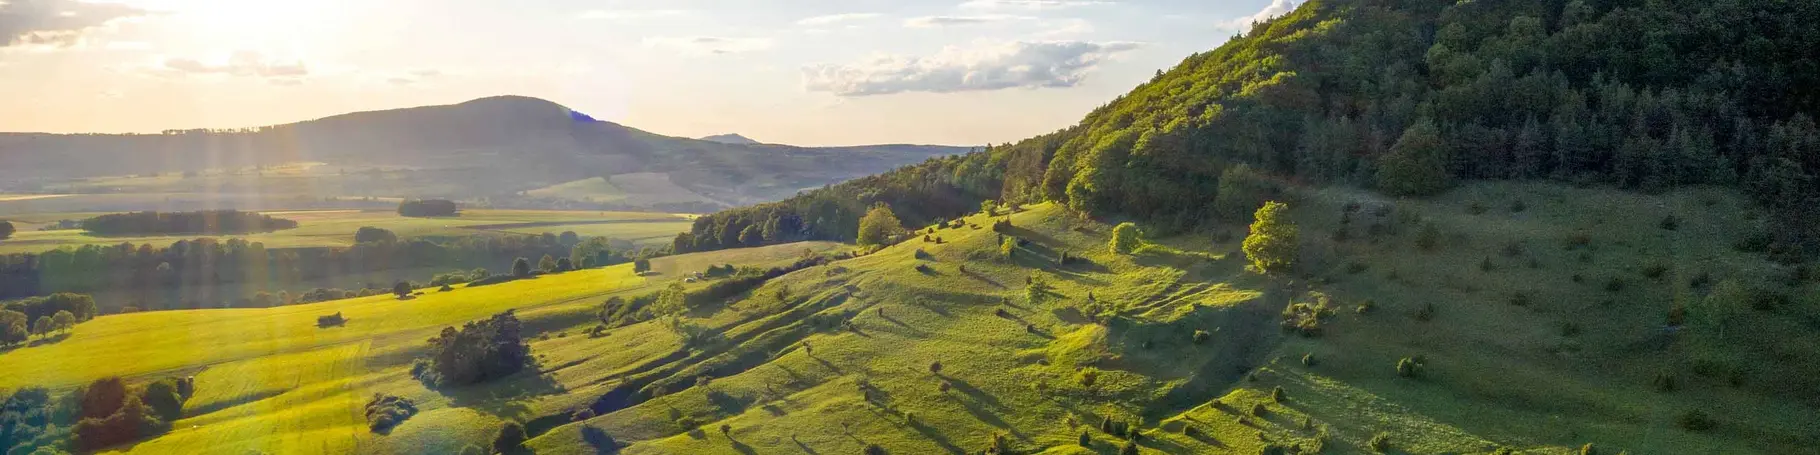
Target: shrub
(1276, 394)
(1518, 206)
(1588, 449)
(935, 367)
(1570, 328)
(1520, 299)
(1409, 367)
(1669, 223)
(511, 438)
(1615, 284)
(1429, 238)
(1201, 336)
(1308, 360)
(1380, 442)
(1130, 448)
(1258, 409)
(1426, 313)
(472, 449)
(1655, 271)
(874, 449)
(385, 412)
(1366, 306)
(165, 397)
(1694, 420)
(1664, 382)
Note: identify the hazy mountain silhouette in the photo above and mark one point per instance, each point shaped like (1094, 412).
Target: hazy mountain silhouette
(492, 145)
(734, 139)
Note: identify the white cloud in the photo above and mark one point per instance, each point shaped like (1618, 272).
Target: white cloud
(1029, 4)
(55, 22)
(710, 44)
(950, 21)
(1048, 64)
(832, 19)
(621, 15)
(1276, 8)
(242, 64)
(412, 77)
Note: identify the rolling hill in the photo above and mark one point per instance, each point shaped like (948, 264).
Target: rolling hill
(496, 147)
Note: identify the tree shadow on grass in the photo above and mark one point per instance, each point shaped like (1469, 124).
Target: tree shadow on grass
(505, 397)
(937, 437)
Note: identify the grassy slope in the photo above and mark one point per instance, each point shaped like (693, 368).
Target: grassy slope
(268, 380)
(336, 228)
(1498, 374)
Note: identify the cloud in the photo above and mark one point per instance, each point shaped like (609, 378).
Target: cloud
(413, 77)
(950, 21)
(709, 44)
(1029, 4)
(1276, 8)
(55, 22)
(832, 19)
(243, 64)
(620, 15)
(1048, 64)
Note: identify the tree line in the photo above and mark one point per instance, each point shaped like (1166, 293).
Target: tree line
(208, 222)
(1409, 98)
(427, 208)
(186, 274)
(102, 414)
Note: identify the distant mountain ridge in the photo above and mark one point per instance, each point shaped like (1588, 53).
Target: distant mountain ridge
(491, 146)
(734, 139)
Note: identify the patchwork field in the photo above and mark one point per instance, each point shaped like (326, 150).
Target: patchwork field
(319, 228)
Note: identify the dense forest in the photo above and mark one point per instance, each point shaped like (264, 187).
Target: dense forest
(1407, 97)
(207, 222)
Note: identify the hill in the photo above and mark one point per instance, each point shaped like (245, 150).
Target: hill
(734, 139)
(1410, 98)
(496, 147)
(1176, 339)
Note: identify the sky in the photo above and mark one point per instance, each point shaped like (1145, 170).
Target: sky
(804, 72)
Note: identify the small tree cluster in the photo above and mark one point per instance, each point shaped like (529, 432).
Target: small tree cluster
(385, 412)
(479, 351)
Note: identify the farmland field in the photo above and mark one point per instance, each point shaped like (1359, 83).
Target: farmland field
(269, 380)
(322, 228)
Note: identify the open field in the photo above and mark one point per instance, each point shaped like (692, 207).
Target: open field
(269, 380)
(320, 228)
(837, 357)
(644, 187)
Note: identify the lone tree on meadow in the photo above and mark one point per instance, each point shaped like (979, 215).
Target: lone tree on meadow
(6, 230)
(402, 289)
(879, 225)
(1272, 243)
(1125, 238)
(521, 268)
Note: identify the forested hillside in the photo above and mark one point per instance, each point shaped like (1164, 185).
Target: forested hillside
(1408, 97)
